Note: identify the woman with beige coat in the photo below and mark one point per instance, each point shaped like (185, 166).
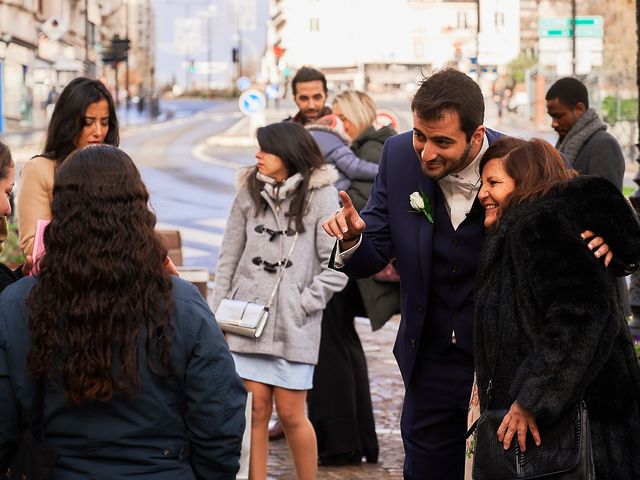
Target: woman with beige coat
(84, 115)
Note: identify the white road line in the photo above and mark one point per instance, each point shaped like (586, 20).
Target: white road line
(193, 234)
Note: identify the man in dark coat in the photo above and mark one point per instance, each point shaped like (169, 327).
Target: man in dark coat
(585, 143)
(583, 138)
(309, 88)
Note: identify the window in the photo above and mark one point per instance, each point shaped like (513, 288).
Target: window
(463, 21)
(314, 24)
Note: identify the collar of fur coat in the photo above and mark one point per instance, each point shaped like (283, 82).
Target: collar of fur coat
(320, 177)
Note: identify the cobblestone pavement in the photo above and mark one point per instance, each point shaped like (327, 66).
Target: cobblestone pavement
(387, 393)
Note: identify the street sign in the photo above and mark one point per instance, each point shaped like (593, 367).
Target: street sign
(252, 102)
(590, 26)
(243, 83)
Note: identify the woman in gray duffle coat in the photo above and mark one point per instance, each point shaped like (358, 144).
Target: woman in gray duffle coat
(289, 190)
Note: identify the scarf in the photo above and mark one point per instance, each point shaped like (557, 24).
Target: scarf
(279, 191)
(588, 124)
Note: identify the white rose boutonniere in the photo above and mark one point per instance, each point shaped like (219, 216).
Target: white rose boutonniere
(420, 202)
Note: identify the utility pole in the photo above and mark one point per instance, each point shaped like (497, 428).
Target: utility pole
(573, 37)
(126, 64)
(634, 290)
(478, 41)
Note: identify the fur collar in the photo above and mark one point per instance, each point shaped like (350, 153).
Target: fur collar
(320, 177)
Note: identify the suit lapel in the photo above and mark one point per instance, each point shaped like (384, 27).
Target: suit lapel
(425, 231)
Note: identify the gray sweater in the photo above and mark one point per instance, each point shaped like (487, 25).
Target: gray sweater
(293, 328)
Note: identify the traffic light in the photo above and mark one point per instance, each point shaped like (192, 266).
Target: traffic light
(117, 51)
(234, 55)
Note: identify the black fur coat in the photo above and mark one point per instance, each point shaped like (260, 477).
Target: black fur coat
(549, 321)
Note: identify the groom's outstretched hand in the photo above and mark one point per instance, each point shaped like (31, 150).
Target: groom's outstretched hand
(345, 224)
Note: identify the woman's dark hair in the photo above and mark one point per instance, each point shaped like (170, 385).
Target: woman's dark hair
(535, 166)
(102, 285)
(299, 153)
(6, 161)
(67, 120)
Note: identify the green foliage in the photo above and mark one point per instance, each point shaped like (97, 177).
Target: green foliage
(11, 254)
(519, 65)
(628, 109)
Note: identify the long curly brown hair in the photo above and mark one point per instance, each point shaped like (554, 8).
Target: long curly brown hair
(102, 285)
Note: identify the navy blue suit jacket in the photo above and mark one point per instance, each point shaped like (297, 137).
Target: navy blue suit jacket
(395, 229)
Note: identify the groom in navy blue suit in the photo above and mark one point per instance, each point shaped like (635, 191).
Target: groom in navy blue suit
(437, 244)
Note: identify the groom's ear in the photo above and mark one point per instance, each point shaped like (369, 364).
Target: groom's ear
(478, 136)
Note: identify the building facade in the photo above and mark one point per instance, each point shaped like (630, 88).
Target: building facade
(394, 47)
(46, 43)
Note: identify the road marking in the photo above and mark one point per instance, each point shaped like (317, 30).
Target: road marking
(213, 222)
(199, 151)
(188, 234)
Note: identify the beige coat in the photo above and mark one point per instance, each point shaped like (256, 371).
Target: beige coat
(34, 198)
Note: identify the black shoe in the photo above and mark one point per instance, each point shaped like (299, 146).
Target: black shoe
(350, 458)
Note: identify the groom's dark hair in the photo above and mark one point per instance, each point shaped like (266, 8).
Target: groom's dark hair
(569, 91)
(450, 91)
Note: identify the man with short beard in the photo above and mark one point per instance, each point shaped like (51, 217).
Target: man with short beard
(309, 88)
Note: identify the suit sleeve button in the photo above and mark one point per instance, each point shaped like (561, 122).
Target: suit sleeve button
(166, 452)
(413, 343)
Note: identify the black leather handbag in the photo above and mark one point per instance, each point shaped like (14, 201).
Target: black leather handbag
(565, 452)
(32, 458)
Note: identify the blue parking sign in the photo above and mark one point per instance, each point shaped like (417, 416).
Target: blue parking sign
(252, 102)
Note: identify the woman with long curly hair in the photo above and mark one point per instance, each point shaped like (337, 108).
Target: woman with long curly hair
(84, 114)
(138, 378)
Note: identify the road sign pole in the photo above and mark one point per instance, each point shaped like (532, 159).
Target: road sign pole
(574, 28)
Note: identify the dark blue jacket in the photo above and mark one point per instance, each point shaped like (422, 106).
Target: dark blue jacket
(189, 427)
(394, 229)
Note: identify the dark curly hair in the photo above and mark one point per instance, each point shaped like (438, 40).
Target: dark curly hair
(102, 287)
(67, 120)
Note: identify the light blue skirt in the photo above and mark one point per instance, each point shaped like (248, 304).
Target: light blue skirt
(274, 371)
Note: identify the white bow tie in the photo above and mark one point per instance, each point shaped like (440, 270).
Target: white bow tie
(467, 187)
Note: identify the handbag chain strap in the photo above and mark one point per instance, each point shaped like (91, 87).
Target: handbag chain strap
(281, 272)
(286, 260)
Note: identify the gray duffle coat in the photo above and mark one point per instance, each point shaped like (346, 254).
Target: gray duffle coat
(292, 331)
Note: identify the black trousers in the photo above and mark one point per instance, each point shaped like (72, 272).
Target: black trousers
(434, 415)
(340, 401)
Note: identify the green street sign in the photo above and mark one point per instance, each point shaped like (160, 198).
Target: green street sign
(592, 26)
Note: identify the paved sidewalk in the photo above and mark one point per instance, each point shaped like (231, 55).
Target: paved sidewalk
(387, 393)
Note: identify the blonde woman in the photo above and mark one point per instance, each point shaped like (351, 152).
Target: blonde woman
(340, 403)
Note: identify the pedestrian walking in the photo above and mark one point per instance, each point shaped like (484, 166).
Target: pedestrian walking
(84, 114)
(282, 200)
(340, 406)
(549, 329)
(423, 209)
(130, 374)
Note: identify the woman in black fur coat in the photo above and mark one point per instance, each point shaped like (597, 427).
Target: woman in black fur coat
(549, 326)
